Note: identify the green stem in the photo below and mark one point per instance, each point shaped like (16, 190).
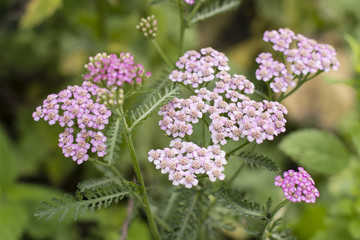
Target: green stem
(301, 81)
(182, 27)
(269, 218)
(236, 173)
(260, 94)
(162, 54)
(145, 201)
(238, 148)
(269, 90)
(193, 11)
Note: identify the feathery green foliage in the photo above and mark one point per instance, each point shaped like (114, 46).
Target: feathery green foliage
(187, 215)
(114, 139)
(255, 160)
(98, 197)
(235, 202)
(93, 184)
(215, 8)
(157, 99)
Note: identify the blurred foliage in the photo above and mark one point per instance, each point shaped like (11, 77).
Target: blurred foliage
(44, 45)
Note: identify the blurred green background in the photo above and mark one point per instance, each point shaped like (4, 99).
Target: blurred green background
(44, 45)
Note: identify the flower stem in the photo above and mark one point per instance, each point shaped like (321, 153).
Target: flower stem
(238, 148)
(236, 173)
(162, 54)
(182, 27)
(269, 218)
(145, 201)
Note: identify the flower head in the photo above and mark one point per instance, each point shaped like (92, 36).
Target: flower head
(113, 70)
(72, 108)
(298, 186)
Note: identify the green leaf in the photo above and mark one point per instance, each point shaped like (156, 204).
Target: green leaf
(238, 204)
(81, 202)
(114, 139)
(255, 160)
(215, 8)
(94, 184)
(187, 215)
(13, 219)
(7, 161)
(157, 99)
(316, 150)
(37, 11)
(355, 49)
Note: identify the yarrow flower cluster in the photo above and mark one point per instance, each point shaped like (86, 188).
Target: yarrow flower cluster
(186, 159)
(148, 26)
(305, 56)
(189, 1)
(111, 70)
(233, 115)
(82, 117)
(298, 186)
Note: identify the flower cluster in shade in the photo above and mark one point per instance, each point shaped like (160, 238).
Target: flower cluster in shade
(113, 71)
(186, 159)
(82, 117)
(303, 57)
(298, 186)
(148, 26)
(219, 100)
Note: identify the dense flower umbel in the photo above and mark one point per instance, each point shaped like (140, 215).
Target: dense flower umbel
(148, 26)
(111, 70)
(298, 186)
(233, 115)
(74, 109)
(304, 56)
(185, 160)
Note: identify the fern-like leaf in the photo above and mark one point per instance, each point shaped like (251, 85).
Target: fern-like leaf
(93, 184)
(187, 215)
(114, 139)
(238, 204)
(215, 8)
(81, 202)
(255, 160)
(157, 100)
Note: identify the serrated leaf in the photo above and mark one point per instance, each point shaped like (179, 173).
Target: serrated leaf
(157, 100)
(84, 201)
(114, 139)
(216, 8)
(316, 150)
(187, 215)
(255, 160)
(37, 11)
(238, 204)
(96, 183)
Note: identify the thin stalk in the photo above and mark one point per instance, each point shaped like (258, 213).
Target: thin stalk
(182, 27)
(238, 148)
(162, 54)
(145, 201)
(170, 205)
(300, 83)
(260, 94)
(236, 173)
(269, 90)
(270, 216)
(194, 10)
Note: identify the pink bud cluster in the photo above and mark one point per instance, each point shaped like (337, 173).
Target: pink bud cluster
(298, 186)
(189, 1)
(74, 108)
(111, 70)
(305, 58)
(186, 159)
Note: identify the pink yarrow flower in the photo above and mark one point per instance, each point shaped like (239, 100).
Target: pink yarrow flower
(298, 186)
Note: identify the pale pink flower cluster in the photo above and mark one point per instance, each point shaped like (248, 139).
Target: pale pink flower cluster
(298, 186)
(305, 56)
(233, 115)
(184, 160)
(82, 117)
(112, 71)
